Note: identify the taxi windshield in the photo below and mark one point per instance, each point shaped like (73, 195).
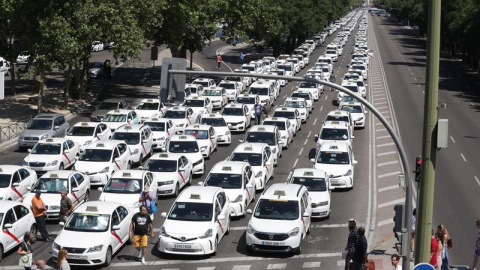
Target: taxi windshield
(194, 103)
(312, 184)
(214, 122)
(337, 118)
(50, 185)
(306, 96)
(5, 180)
(156, 126)
(227, 85)
(334, 134)
(233, 79)
(333, 158)
(233, 111)
(261, 137)
(223, 180)
(294, 104)
(193, 90)
(115, 118)
(351, 109)
(258, 91)
(37, 124)
(308, 85)
(277, 209)
(188, 211)
(46, 149)
(249, 68)
(202, 83)
(148, 106)
(252, 158)
(124, 185)
(246, 100)
(96, 155)
(81, 131)
(131, 138)
(160, 165)
(285, 67)
(175, 114)
(286, 114)
(108, 106)
(183, 147)
(349, 99)
(88, 222)
(215, 93)
(199, 134)
(280, 125)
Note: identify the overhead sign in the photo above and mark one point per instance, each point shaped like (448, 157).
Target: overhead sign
(172, 87)
(423, 266)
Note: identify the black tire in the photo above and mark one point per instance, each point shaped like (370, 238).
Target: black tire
(108, 257)
(189, 183)
(129, 165)
(129, 240)
(1, 253)
(177, 190)
(61, 167)
(216, 247)
(298, 250)
(87, 196)
(228, 227)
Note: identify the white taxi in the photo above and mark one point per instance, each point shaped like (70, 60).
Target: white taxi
(196, 222)
(260, 157)
(224, 136)
(76, 184)
(93, 233)
(148, 108)
(181, 116)
(334, 131)
(116, 118)
(350, 86)
(336, 158)
(187, 145)
(300, 104)
(52, 154)
(217, 95)
(206, 138)
(318, 186)
(341, 116)
(315, 89)
(199, 105)
(101, 159)
(162, 129)
(193, 90)
(237, 116)
(139, 139)
(17, 219)
(125, 187)
(287, 131)
(264, 89)
(85, 133)
(249, 100)
(279, 72)
(266, 134)
(172, 172)
(291, 114)
(246, 79)
(232, 88)
(307, 95)
(357, 111)
(242, 82)
(237, 180)
(205, 82)
(281, 219)
(15, 181)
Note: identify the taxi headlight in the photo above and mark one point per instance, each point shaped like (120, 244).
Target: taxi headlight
(181, 125)
(274, 150)
(95, 249)
(43, 137)
(87, 143)
(163, 232)
(228, 132)
(105, 170)
(238, 199)
(137, 204)
(360, 119)
(207, 234)
(250, 229)
(303, 113)
(135, 152)
(56, 246)
(259, 174)
(169, 182)
(161, 138)
(294, 232)
(348, 173)
(20, 136)
(52, 163)
(314, 205)
(203, 148)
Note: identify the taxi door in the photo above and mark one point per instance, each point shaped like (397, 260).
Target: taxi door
(213, 138)
(183, 172)
(75, 194)
(12, 236)
(18, 188)
(190, 117)
(116, 236)
(306, 208)
(248, 119)
(147, 141)
(22, 224)
(221, 208)
(268, 163)
(187, 169)
(101, 132)
(208, 106)
(68, 155)
(249, 180)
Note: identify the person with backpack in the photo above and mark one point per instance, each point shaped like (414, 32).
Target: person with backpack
(147, 198)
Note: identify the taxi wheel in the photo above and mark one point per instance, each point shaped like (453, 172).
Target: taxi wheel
(189, 183)
(129, 165)
(298, 250)
(33, 230)
(228, 227)
(61, 167)
(177, 190)
(87, 196)
(215, 247)
(108, 257)
(1, 253)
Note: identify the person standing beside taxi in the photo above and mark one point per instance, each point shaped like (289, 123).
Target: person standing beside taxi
(39, 209)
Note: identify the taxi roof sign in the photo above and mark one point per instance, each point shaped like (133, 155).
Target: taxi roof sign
(49, 140)
(1, 170)
(226, 168)
(195, 196)
(333, 147)
(92, 208)
(149, 100)
(127, 174)
(53, 175)
(182, 137)
(279, 193)
(116, 110)
(100, 145)
(274, 118)
(261, 129)
(163, 155)
(248, 148)
(306, 173)
(85, 124)
(155, 119)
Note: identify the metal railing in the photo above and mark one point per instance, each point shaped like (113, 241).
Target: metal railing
(11, 131)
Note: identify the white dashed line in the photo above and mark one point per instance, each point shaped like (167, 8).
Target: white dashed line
(385, 222)
(387, 163)
(311, 265)
(464, 159)
(284, 97)
(326, 97)
(315, 122)
(386, 153)
(295, 164)
(385, 144)
(305, 143)
(383, 137)
(309, 133)
(277, 266)
(478, 181)
(389, 174)
(452, 139)
(321, 108)
(390, 203)
(301, 151)
(385, 188)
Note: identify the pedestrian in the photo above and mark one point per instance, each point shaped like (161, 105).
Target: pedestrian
(267, 108)
(352, 239)
(477, 247)
(39, 209)
(219, 61)
(25, 249)
(104, 67)
(433, 250)
(396, 262)
(62, 262)
(66, 206)
(412, 230)
(109, 69)
(41, 264)
(446, 246)
(257, 108)
(241, 57)
(439, 238)
(360, 255)
(139, 228)
(147, 198)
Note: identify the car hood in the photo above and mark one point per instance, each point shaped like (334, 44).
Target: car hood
(35, 133)
(88, 239)
(122, 198)
(4, 192)
(179, 228)
(272, 225)
(221, 130)
(334, 169)
(319, 196)
(147, 113)
(214, 98)
(81, 139)
(41, 158)
(159, 134)
(232, 194)
(93, 70)
(91, 167)
(357, 116)
(164, 176)
(99, 113)
(233, 118)
(180, 121)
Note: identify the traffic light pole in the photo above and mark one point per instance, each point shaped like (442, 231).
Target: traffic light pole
(430, 120)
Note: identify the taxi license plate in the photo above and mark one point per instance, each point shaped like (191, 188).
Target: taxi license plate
(76, 257)
(267, 243)
(182, 246)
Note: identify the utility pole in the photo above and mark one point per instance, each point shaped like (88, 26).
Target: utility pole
(430, 120)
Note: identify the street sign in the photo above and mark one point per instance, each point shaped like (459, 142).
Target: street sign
(423, 266)
(172, 86)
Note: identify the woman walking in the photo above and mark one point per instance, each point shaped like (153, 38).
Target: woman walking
(439, 237)
(25, 249)
(267, 109)
(62, 263)
(446, 239)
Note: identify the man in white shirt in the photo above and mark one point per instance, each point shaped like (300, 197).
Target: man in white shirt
(396, 262)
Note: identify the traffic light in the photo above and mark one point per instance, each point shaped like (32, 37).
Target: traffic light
(398, 218)
(418, 167)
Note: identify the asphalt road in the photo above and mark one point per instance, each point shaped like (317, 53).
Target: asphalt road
(457, 185)
(328, 237)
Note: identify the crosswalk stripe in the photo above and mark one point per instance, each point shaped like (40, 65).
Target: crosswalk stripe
(206, 268)
(277, 266)
(311, 264)
(241, 267)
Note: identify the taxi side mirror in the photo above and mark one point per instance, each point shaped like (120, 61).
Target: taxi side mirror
(312, 160)
(56, 127)
(354, 162)
(8, 226)
(221, 217)
(100, 189)
(353, 137)
(29, 188)
(249, 186)
(116, 228)
(306, 214)
(29, 150)
(164, 214)
(268, 163)
(200, 183)
(330, 187)
(15, 184)
(62, 224)
(240, 141)
(249, 211)
(75, 190)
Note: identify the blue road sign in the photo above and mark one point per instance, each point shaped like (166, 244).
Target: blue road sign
(423, 266)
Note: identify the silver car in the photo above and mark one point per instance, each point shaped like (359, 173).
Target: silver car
(41, 127)
(106, 106)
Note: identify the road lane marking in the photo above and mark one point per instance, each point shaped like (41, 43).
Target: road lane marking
(315, 122)
(390, 203)
(381, 129)
(311, 265)
(295, 164)
(386, 153)
(241, 267)
(385, 222)
(326, 97)
(206, 268)
(478, 181)
(385, 144)
(321, 108)
(277, 266)
(388, 174)
(464, 159)
(452, 139)
(305, 143)
(378, 103)
(383, 137)
(387, 163)
(387, 188)
(301, 151)
(309, 133)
